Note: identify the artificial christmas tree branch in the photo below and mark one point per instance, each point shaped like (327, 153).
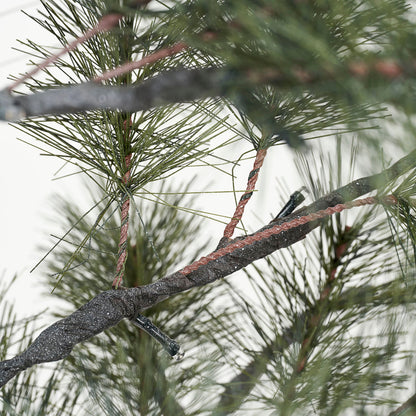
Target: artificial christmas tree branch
(178, 86)
(130, 66)
(106, 23)
(286, 72)
(168, 87)
(125, 206)
(109, 308)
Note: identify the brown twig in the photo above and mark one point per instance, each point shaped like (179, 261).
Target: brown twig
(385, 68)
(251, 183)
(106, 23)
(149, 59)
(124, 228)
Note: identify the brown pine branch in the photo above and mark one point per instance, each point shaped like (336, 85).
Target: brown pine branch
(148, 59)
(125, 206)
(106, 23)
(109, 308)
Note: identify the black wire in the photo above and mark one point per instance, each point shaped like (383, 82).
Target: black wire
(294, 201)
(171, 346)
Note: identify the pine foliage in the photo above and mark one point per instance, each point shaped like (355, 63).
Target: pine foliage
(324, 327)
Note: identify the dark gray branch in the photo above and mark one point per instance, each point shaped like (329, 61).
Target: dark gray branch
(109, 308)
(56, 342)
(177, 86)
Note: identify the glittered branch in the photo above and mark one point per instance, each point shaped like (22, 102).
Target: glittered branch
(57, 341)
(274, 231)
(109, 308)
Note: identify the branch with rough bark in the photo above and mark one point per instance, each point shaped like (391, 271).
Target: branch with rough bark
(109, 308)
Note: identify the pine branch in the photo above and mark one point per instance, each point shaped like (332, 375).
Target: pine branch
(168, 87)
(183, 85)
(130, 66)
(305, 328)
(106, 23)
(109, 308)
(236, 390)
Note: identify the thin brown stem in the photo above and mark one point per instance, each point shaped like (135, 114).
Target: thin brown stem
(149, 59)
(251, 183)
(106, 23)
(124, 228)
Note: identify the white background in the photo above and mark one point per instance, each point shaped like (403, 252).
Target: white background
(26, 178)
